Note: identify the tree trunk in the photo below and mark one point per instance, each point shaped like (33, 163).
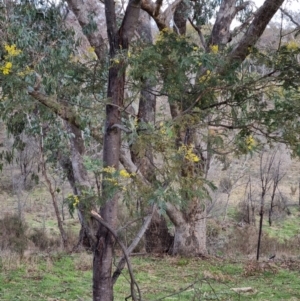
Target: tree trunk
(103, 254)
(118, 40)
(190, 230)
(78, 179)
(157, 236)
(190, 239)
(261, 213)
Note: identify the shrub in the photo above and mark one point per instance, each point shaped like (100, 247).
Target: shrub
(225, 185)
(13, 234)
(41, 239)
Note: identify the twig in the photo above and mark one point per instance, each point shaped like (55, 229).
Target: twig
(134, 243)
(198, 29)
(290, 17)
(130, 270)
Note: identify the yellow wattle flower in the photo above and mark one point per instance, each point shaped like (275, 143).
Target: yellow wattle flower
(214, 49)
(250, 142)
(12, 50)
(124, 173)
(6, 69)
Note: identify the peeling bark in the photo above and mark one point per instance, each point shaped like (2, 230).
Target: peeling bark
(162, 19)
(87, 13)
(221, 30)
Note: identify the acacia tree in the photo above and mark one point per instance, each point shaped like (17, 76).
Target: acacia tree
(172, 58)
(206, 86)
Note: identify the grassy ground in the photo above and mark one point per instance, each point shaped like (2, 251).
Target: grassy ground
(68, 277)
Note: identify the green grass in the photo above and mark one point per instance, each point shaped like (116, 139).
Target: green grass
(55, 278)
(68, 277)
(285, 229)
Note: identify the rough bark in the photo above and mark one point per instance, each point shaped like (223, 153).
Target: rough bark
(133, 283)
(180, 18)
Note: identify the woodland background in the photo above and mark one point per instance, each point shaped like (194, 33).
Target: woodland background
(174, 139)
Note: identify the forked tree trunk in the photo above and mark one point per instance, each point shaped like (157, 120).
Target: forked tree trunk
(190, 230)
(118, 40)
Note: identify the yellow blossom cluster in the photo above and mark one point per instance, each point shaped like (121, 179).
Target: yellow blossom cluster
(116, 61)
(109, 169)
(27, 71)
(205, 77)
(12, 50)
(91, 53)
(125, 174)
(162, 34)
(188, 151)
(250, 142)
(214, 49)
(162, 128)
(6, 69)
(292, 45)
(113, 179)
(75, 199)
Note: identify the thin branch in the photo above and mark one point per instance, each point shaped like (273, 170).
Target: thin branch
(290, 17)
(198, 29)
(132, 246)
(121, 127)
(133, 282)
(63, 110)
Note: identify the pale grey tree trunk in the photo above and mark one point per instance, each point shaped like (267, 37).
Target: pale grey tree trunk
(190, 230)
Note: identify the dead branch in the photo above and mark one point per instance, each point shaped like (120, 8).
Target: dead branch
(134, 243)
(133, 282)
(290, 17)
